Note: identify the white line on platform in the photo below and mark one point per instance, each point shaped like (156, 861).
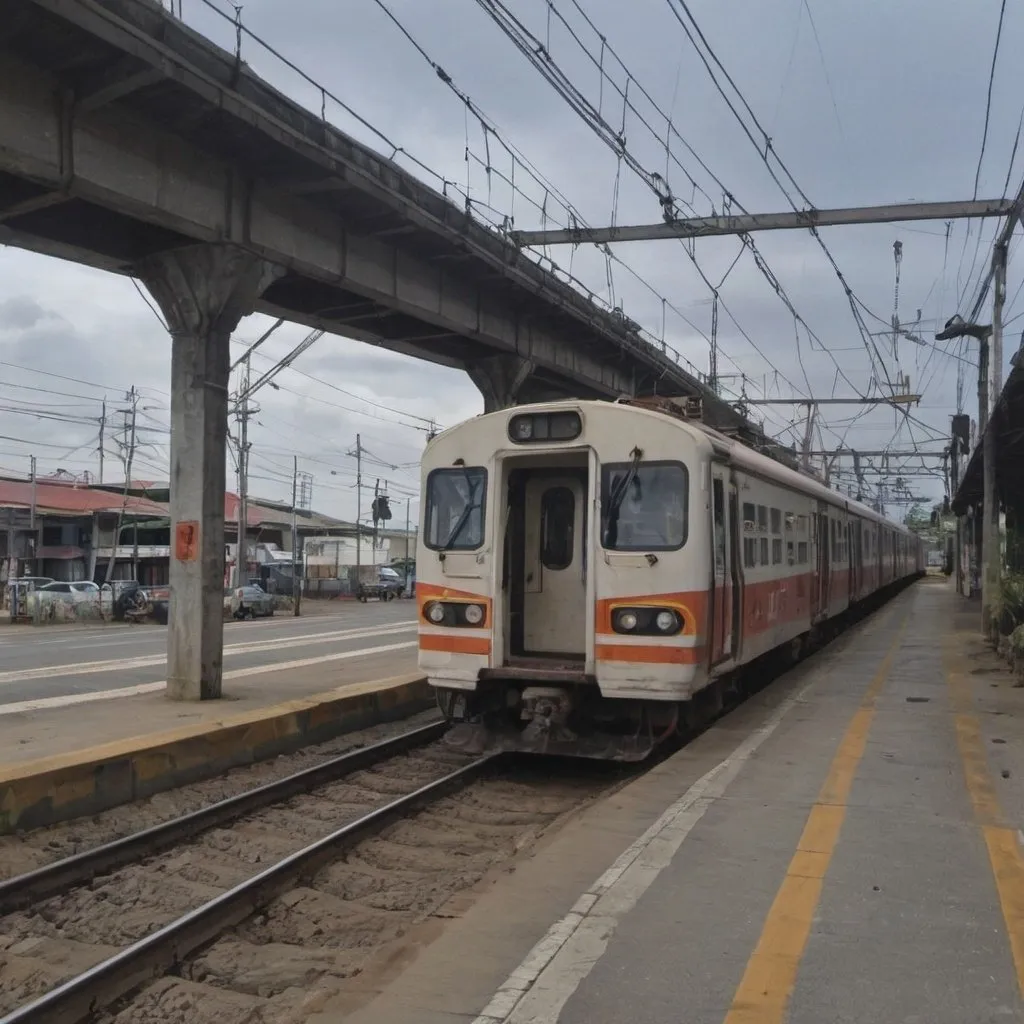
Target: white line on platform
(253, 647)
(43, 703)
(538, 989)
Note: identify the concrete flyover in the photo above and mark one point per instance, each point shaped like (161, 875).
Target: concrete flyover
(131, 143)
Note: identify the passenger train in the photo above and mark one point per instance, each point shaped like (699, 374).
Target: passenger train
(591, 576)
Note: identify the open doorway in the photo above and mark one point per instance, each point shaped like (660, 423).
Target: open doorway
(545, 565)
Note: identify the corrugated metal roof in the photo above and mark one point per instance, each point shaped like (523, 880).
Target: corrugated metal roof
(71, 498)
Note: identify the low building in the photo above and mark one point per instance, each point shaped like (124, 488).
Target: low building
(61, 528)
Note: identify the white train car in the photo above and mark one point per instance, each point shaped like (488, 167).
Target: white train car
(592, 574)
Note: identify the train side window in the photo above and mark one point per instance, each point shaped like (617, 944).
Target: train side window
(557, 529)
(762, 519)
(801, 553)
(749, 516)
(764, 551)
(749, 552)
(776, 521)
(776, 551)
(790, 553)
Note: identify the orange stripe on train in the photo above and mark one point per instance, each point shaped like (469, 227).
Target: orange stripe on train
(651, 654)
(455, 644)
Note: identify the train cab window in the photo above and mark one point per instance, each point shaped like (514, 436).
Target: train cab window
(644, 506)
(557, 523)
(453, 518)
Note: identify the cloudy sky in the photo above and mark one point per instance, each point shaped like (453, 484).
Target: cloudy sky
(866, 102)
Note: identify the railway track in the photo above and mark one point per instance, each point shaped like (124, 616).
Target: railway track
(192, 920)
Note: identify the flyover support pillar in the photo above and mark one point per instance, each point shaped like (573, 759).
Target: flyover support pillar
(500, 379)
(203, 291)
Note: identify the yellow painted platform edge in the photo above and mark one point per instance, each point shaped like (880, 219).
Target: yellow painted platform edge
(43, 792)
(132, 746)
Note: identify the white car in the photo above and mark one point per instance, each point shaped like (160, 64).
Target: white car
(76, 592)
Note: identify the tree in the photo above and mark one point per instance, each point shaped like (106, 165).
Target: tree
(918, 519)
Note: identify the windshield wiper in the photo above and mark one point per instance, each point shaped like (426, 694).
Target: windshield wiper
(460, 523)
(617, 497)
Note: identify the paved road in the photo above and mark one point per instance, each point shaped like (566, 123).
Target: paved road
(52, 662)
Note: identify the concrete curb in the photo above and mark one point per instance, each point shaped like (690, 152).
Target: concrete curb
(43, 792)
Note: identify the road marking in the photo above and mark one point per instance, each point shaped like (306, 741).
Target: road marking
(42, 703)
(537, 990)
(148, 660)
(1001, 840)
(770, 976)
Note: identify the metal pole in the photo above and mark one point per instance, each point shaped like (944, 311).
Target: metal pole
(359, 502)
(990, 543)
(408, 502)
(103, 426)
(242, 528)
(296, 560)
(32, 516)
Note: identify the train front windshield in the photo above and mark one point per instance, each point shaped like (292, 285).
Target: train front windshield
(644, 506)
(454, 518)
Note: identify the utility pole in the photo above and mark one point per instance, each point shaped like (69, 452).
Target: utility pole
(408, 502)
(990, 540)
(957, 327)
(805, 455)
(359, 498)
(32, 515)
(296, 558)
(129, 442)
(103, 427)
(242, 527)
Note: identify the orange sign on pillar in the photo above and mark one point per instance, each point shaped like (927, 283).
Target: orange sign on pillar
(186, 541)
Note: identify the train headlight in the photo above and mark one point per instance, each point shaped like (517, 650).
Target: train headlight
(434, 613)
(626, 621)
(667, 622)
(646, 621)
(474, 614)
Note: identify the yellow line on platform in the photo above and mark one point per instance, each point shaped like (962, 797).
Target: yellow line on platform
(1001, 840)
(770, 976)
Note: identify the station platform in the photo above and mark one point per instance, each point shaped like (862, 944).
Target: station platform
(843, 847)
(63, 762)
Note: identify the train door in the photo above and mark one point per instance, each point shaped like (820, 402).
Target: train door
(554, 619)
(823, 559)
(724, 592)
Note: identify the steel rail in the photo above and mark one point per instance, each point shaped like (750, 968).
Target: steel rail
(24, 890)
(154, 955)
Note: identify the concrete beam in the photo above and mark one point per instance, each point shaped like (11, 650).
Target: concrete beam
(203, 291)
(500, 379)
(138, 170)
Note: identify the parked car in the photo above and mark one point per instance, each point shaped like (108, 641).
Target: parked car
(391, 582)
(251, 601)
(63, 592)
